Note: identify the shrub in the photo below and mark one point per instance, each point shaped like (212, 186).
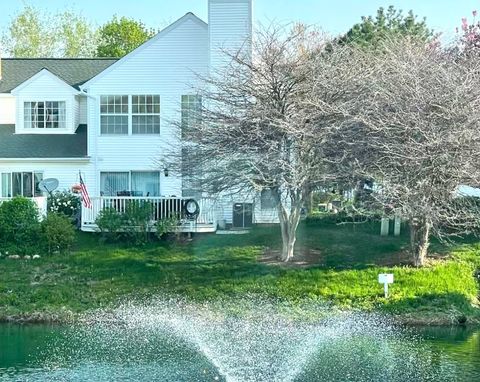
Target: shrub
(136, 220)
(164, 226)
(57, 232)
(133, 225)
(110, 223)
(64, 202)
(19, 224)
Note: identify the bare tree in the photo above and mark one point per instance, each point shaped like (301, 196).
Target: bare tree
(254, 130)
(407, 115)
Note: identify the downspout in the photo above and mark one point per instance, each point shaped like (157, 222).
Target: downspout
(95, 162)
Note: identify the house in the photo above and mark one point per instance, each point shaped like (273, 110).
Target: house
(108, 120)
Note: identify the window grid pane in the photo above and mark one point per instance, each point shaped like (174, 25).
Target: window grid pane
(114, 114)
(44, 114)
(146, 114)
(191, 112)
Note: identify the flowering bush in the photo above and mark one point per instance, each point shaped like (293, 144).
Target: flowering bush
(470, 34)
(64, 202)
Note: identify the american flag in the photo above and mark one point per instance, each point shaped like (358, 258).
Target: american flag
(85, 197)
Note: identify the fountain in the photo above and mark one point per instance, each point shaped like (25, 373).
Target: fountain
(240, 340)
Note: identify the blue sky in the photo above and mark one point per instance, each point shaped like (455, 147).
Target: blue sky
(334, 16)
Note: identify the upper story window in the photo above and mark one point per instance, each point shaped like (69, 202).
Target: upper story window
(123, 114)
(45, 115)
(191, 111)
(146, 114)
(114, 114)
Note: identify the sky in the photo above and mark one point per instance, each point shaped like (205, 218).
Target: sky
(333, 16)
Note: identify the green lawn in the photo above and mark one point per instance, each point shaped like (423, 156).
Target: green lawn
(345, 261)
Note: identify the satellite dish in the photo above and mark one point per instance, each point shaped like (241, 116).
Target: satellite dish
(48, 185)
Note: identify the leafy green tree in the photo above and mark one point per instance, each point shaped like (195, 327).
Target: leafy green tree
(34, 32)
(387, 23)
(122, 35)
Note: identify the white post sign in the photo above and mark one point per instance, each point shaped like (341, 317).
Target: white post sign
(385, 279)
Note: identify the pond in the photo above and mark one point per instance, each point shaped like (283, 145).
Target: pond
(159, 344)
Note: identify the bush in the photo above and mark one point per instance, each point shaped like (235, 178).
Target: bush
(133, 225)
(64, 202)
(57, 232)
(164, 226)
(110, 223)
(19, 225)
(136, 220)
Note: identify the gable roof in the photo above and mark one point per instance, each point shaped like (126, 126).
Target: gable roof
(163, 32)
(74, 71)
(44, 72)
(48, 146)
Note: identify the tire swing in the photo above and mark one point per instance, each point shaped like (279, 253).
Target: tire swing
(191, 209)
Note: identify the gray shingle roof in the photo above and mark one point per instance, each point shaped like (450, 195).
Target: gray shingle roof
(42, 146)
(74, 71)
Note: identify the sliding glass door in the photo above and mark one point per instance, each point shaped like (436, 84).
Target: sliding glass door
(133, 183)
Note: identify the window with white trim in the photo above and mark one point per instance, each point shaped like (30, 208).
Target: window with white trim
(44, 115)
(20, 184)
(145, 114)
(267, 199)
(191, 111)
(114, 114)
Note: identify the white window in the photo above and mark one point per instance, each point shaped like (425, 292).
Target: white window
(123, 114)
(44, 115)
(146, 114)
(130, 183)
(267, 199)
(20, 184)
(191, 111)
(114, 114)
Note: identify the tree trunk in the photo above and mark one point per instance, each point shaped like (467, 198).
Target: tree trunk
(288, 225)
(419, 240)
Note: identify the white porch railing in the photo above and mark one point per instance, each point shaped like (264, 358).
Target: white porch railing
(40, 201)
(162, 208)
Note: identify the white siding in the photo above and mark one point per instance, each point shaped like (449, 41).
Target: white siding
(230, 28)
(82, 118)
(66, 173)
(7, 109)
(46, 88)
(166, 66)
(76, 111)
(225, 208)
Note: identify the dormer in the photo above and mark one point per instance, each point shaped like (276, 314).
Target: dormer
(45, 104)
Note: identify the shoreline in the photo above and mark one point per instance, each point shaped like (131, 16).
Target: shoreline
(70, 318)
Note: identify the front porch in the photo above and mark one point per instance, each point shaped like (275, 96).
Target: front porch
(161, 208)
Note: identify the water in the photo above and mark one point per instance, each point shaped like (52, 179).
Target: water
(253, 341)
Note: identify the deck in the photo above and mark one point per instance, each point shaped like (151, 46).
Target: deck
(161, 208)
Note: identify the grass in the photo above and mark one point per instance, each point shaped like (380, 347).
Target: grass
(344, 262)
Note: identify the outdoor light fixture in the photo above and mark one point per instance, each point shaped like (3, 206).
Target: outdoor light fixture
(165, 171)
(385, 279)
